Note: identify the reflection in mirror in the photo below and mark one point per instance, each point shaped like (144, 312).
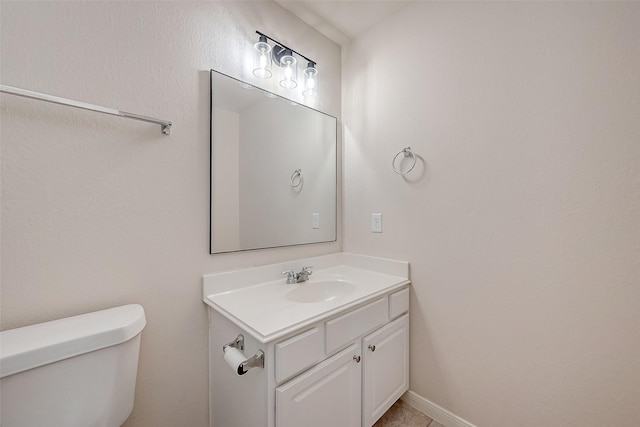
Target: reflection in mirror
(273, 170)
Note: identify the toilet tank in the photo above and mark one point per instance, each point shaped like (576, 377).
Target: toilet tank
(74, 372)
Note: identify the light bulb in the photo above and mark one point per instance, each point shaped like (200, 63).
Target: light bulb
(289, 71)
(262, 59)
(310, 80)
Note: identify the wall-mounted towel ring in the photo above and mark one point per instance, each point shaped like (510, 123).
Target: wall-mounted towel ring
(297, 180)
(407, 153)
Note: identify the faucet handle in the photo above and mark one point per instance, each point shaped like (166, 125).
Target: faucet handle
(307, 270)
(291, 276)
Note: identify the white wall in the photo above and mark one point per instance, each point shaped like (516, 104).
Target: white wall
(99, 211)
(225, 180)
(522, 223)
(272, 213)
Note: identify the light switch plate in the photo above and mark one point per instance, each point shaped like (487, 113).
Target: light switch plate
(315, 220)
(376, 223)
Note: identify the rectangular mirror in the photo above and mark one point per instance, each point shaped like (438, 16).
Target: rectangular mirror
(273, 170)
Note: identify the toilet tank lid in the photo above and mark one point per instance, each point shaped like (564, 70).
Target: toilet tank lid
(44, 343)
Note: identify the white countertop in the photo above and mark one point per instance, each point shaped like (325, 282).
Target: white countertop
(263, 309)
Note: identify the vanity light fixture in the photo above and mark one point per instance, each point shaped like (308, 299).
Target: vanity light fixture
(284, 58)
(310, 80)
(262, 59)
(288, 70)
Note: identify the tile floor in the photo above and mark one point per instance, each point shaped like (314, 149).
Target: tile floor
(403, 415)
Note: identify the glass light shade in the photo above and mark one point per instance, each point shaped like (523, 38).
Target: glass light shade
(262, 59)
(310, 81)
(289, 72)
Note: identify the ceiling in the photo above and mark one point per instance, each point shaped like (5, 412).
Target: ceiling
(342, 20)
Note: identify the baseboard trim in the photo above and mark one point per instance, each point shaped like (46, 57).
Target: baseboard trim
(438, 413)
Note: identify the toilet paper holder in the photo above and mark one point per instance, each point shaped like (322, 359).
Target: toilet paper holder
(255, 361)
(237, 343)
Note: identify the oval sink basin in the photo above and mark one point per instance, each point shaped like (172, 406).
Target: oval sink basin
(320, 291)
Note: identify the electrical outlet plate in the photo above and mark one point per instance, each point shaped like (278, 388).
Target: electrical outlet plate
(376, 223)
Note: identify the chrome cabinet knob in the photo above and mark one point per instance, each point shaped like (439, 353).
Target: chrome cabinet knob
(372, 347)
(356, 358)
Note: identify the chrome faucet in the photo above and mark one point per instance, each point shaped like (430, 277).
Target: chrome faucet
(291, 276)
(303, 276)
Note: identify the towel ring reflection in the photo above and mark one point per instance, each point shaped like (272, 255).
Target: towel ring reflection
(297, 180)
(407, 153)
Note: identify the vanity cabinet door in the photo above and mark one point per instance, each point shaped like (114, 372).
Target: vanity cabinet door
(327, 395)
(385, 369)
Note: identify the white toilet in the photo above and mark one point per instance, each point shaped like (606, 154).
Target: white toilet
(74, 372)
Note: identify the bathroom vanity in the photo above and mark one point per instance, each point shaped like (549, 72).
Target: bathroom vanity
(334, 349)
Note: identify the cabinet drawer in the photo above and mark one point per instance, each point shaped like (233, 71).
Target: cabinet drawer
(346, 328)
(298, 353)
(398, 303)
